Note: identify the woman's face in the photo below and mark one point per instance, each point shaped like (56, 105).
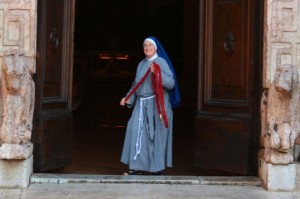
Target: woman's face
(149, 49)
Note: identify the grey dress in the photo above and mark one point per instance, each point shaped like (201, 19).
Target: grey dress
(148, 143)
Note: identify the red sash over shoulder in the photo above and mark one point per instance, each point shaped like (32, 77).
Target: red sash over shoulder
(159, 93)
(157, 90)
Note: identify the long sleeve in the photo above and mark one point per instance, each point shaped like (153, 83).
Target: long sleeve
(132, 98)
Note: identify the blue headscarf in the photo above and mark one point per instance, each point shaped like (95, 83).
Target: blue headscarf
(174, 92)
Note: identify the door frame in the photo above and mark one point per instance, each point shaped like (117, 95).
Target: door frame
(200, 54)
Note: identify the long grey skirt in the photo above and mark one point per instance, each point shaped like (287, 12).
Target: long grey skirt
(148, 143)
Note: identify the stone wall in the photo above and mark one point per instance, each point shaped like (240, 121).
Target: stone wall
(281, 36)
(18, 26)
(281, 46)
(18, 21)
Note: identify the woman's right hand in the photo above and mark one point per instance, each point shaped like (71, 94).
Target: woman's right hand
(152, 69)
(123, 102)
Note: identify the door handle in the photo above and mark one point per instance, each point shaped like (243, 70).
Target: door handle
(54, 38)
(229, 40)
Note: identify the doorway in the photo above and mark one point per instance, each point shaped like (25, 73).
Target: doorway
(107, 49)
(218, 105)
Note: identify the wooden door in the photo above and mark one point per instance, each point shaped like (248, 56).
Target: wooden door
(227, 120)
(52, 136)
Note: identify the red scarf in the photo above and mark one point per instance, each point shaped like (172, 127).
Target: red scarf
(157, 90)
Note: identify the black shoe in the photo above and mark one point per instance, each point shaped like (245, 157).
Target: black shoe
(132, 172)
(157, 173)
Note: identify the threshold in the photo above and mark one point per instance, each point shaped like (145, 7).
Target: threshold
(39, 178)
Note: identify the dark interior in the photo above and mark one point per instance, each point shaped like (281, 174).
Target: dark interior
(108, 47)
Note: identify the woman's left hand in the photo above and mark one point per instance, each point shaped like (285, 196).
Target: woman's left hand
(123, 102)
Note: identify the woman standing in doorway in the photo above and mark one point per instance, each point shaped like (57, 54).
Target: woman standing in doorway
(148, 141)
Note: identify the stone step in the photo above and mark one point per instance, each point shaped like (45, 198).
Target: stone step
(184, 180)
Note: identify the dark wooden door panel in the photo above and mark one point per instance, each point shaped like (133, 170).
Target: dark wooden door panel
(56, 144)
(230, 68)
(224, 144)
(227, 66)
(53, 78)
(52, 136)
(228, 111)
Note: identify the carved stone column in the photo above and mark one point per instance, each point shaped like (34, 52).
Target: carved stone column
(280, 106)
(17, 61)
(17, 106)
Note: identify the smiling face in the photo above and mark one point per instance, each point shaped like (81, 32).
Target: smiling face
(149, 49)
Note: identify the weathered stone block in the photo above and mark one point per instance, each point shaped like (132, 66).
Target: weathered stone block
(277, 177)
(297, 177)
(16, 151)
(15, 173)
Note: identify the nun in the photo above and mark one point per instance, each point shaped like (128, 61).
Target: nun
(148, 142)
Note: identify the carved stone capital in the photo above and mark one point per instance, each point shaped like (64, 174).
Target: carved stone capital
(276, 157)
(16, 151)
